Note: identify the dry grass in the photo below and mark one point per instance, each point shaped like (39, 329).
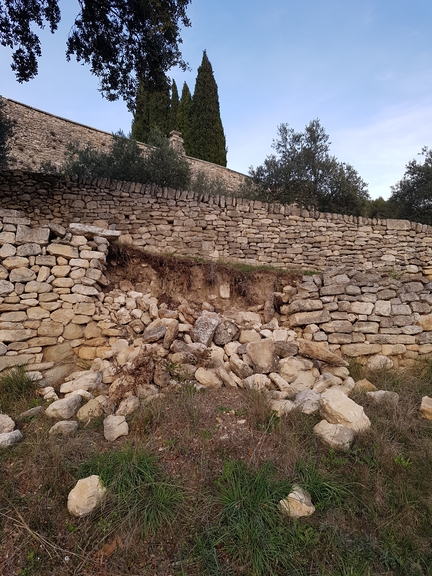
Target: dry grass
(207, 456)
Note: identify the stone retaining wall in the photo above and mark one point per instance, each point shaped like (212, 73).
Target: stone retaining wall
(228, 228)
(51, 294)
(42, 137)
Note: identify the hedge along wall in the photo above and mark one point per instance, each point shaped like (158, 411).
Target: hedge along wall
(42, 137)
(222, 227)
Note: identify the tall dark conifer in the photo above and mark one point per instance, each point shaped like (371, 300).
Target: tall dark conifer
(207, 134)
(173, 122)
(183, 117)
(152, 110)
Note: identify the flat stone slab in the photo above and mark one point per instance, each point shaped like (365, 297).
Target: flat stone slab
(91, 231)
(9, 438)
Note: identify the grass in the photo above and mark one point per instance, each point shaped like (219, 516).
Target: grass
(193, 490)
(17, 389)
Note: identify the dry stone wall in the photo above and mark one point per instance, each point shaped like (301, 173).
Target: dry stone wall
(42, 137)
(52, 305)
(228, 228)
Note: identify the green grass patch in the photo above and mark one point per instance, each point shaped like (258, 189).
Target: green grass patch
(16, 388)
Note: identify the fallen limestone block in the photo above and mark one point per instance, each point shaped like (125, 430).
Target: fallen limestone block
(204, 328)
(32, 412)
(208, 378)
(64, 428)
(298, 503)
(282, 384)
(92, 409)
(64, 409)
(318, 352)
(426, 408)
(364, 385)
(307, 401)
(6, 424)
(384, 396)
(128, 406)
(379, 361)
(337, 408)
(9, 438)
(334, 435)
(263, 356)
(85, 496)
(114, 427)
(281, 407)
(257, 382)
(91, 231)
(240, 368)
(86, 380)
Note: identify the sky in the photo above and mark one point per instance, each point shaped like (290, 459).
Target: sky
(362, 67)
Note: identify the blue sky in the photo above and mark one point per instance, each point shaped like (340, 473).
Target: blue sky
(362, 67)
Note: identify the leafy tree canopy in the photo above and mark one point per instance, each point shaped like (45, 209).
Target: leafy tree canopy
(121, 40)
(303, 172)
(411, 197)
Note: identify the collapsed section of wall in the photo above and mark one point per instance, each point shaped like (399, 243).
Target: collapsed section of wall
(188, 223)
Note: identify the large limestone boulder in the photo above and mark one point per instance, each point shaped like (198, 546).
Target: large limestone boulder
(64, 428)
(240, 368)
(204, 328)
(263, 356)
(334, 435)
(114, 427)
(337, 408)
(64, 409)
(9, 438)
(85, 496)
(6, 424)
(319, 352)
(298, 503)
(208, 378)
(226, 332)
(92, 409)
(307, 401)
(257, 382)
(87, 380)
(426, 408)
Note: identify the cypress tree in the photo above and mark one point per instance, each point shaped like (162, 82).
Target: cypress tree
(173, 122)
(152, 110)
(183, 117)
(207, 134)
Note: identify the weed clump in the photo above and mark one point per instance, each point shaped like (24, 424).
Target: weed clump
(15, 387)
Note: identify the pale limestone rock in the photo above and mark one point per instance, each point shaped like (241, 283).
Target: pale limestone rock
(83, 290)
(85, 395)
(334, 435)
(354, 350)
(231, 348)
(87, 380)
(307, 401)
(384, 396)
(38, 287)
(320, 352)
(62, 315)
(63, 250)
(425, 322)
(257, 382)
(361, 308)
(247, 336)
(240, 368)
(16, 335)
(204, 328)
(9, 438)
(325, 381)
(172, 330)
(92, 409)
(281, 406)
(6, 424)
(64, 409)
(8, 250)
(302, 305)
(128, 406)
(304, 318)
(290, 367)
(280, 335)
(364, 385)
(6, 287)
(64, 428)
(426, 407)
(50, 394)
(379, 361)
(38, 235)
(337, 408)
(263, 356)
(282, 384)
(382, 308)
(154, 332)
(91, 231)
(298, 503)
(226, 332)
(226, 377)
(114, 427)
(87, 495)
(36, 411)
(305, 380)
(208, 378)
(22, 275)
(15, 262)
